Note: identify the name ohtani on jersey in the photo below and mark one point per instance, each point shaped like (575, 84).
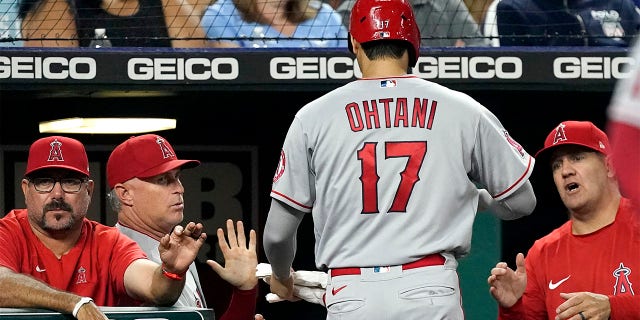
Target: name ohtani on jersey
(374, 114)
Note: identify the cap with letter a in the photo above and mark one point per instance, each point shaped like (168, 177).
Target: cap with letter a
(582, 133)
(143, 157)
(57, 152)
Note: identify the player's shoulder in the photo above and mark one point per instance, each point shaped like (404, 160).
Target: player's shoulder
(12, 219)
(16, 214)
(431, 87)
(629, 213)
(455, 99)
(449, 92)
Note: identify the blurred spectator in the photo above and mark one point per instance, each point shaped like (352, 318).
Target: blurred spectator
(567, 23)
(490, 24)
(623, 128)
(9, 23)
(274, 23)
(131, 23)
(442, 23)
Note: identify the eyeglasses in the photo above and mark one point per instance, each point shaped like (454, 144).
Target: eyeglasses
(69, 185)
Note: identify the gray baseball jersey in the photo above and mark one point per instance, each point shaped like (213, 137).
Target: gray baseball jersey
(389, 167)
(192, 295)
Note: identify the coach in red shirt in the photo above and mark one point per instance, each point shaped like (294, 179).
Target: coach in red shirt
(587, 267)
(53, 257)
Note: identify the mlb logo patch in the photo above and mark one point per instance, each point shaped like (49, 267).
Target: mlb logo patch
(381, 269)
(384, 34)
(388, 83)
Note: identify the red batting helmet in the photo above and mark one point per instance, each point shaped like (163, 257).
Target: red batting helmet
(385, 20)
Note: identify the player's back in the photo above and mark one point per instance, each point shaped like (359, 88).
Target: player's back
(390, 161)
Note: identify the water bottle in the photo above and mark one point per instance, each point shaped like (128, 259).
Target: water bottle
(100, 39)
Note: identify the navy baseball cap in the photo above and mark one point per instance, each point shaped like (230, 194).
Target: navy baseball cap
(143, 157)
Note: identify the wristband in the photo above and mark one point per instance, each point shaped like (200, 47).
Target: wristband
(82, 302)
(171, 275)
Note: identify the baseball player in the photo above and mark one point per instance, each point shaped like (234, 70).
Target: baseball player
(388, 165)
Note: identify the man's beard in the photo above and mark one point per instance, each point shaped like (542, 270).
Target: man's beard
(57, 205)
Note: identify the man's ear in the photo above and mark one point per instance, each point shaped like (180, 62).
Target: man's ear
(25, 186)
(90, 187)
(355, 45)
(611, 171)
(124, 194)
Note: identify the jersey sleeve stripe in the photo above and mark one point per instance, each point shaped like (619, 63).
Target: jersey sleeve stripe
(524, 176)
(296, 203)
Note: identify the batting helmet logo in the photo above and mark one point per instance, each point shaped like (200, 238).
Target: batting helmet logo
(385, 20)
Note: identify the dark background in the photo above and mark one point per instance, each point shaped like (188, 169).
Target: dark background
(261, 118)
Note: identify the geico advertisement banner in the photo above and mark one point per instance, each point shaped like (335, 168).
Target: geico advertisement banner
(603, 66)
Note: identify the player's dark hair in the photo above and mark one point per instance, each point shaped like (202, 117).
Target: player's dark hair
(387, 48)
(25, 6)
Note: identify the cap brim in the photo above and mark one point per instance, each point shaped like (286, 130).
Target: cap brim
(543, 154)
(56, 167)
(168, 166)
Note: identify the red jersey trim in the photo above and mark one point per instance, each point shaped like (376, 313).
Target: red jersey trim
(291, 200)
(524, 175)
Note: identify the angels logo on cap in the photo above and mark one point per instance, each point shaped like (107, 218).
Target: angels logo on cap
(560, 135)
(166, 151)
(582, 133)
(143, 157)
(57, 152)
